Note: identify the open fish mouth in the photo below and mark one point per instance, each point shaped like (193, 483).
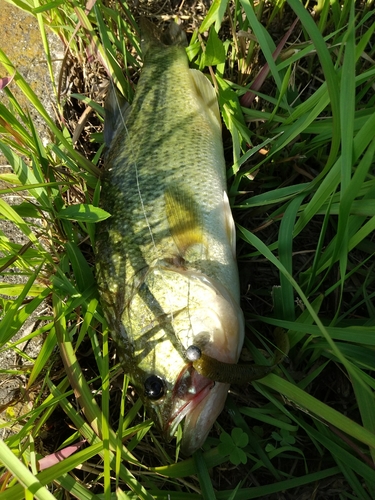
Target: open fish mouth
(197, 401)
(189, 391)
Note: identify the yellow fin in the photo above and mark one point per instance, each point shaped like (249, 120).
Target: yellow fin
(207, 93)
(184, 219)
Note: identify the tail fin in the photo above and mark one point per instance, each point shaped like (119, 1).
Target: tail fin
(151, 36)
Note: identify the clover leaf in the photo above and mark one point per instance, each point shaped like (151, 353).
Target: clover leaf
(231, 445)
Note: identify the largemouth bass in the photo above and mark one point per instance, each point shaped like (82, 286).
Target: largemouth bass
(166, 264)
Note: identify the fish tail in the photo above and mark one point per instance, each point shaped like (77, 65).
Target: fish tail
(151, 35)
(175, 35)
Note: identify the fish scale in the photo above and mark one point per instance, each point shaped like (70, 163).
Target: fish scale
(165, 258)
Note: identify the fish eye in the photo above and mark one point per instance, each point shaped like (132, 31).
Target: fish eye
(154, 387)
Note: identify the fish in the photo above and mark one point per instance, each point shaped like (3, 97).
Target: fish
(166, 257)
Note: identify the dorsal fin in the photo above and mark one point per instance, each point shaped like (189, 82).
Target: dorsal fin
(116, 111)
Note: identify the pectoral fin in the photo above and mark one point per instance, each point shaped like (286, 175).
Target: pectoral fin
(184, 219)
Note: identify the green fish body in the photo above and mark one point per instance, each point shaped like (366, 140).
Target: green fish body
(166, 265)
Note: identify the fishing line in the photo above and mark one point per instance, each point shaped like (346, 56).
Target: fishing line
(135, 166)
(169, 299)
(136, 171)
(142, 204)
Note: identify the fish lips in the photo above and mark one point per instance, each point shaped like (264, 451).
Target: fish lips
(198, 400)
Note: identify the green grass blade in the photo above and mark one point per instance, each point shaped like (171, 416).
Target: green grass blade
(28, 481)
(285, 255)
(268, 254)
(319, 409)
(329, 72)
(208, 492)
(264, 39)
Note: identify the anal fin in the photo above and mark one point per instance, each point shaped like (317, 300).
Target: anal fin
(207, 93)
(230, 227)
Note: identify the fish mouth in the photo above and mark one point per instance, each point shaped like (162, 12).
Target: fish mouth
(190, 389)
(199, 401)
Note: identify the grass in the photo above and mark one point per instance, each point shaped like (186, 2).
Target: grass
(300, 158)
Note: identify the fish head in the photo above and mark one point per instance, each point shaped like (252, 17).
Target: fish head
(196, 311)
(189, 399)
(180, 395)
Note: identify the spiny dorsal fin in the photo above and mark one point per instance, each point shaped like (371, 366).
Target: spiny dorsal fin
(184, 219)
